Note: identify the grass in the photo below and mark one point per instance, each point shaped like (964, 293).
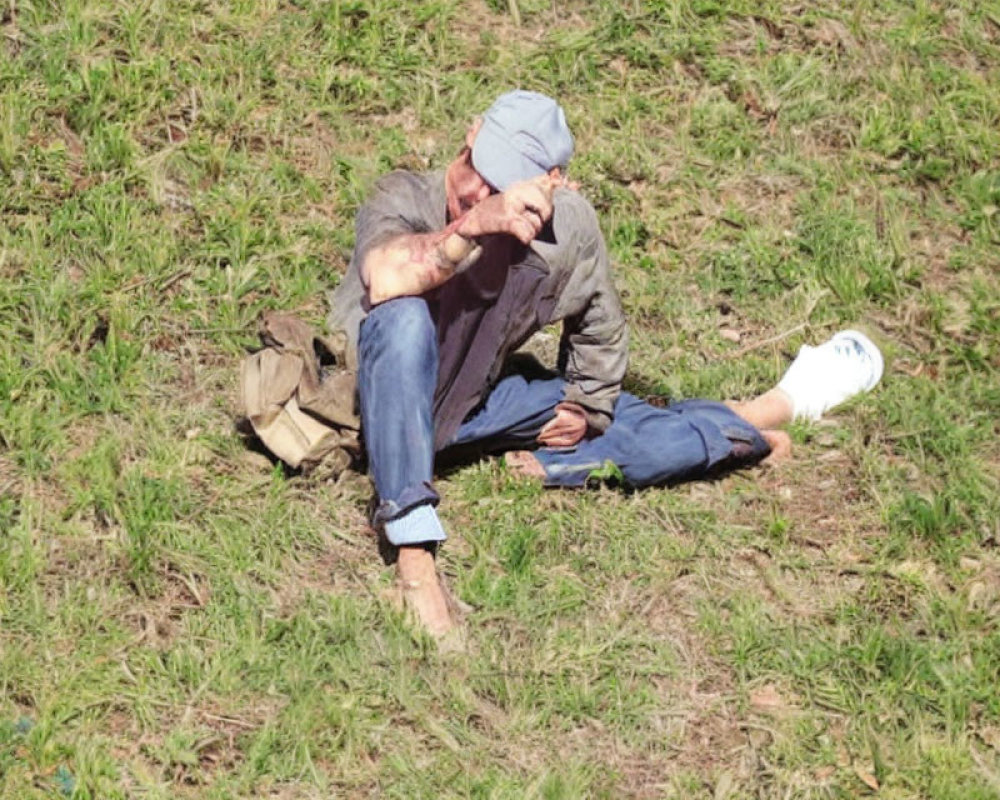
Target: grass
(181, 618)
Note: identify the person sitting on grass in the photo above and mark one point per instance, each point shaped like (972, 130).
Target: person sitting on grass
(452, 271)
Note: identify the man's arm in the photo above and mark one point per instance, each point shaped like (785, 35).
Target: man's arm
(594, 347)
(593, 358)
(414, 263)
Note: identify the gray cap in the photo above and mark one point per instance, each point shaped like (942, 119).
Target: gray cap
(523, 135)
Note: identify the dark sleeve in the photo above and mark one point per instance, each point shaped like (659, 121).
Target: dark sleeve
(593, 352)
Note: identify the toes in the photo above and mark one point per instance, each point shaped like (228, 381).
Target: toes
(781, 446)
(524, 463)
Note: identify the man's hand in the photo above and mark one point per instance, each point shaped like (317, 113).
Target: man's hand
(567, 428)
(521, 211)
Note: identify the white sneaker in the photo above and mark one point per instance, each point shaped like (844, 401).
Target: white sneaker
(823, 377)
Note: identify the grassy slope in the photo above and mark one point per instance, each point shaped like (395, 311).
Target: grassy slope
(178, 618)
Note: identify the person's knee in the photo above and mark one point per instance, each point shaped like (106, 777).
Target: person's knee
(400, 330)
(407, 316)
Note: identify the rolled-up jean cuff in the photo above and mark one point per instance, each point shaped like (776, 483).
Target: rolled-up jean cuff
(728, 437)
(418, 525)
(419, 494)
(747, 444)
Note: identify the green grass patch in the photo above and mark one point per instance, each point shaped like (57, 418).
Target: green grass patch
(179, 617)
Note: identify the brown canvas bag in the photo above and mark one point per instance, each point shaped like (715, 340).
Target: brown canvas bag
(303, 412)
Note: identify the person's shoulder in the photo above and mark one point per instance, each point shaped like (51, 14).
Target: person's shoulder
(406, 194)
(574, 200)
(573, 215)
(407, 181)
(576, 235)
(402, 202)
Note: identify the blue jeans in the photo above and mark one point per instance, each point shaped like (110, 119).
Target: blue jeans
(397, 378)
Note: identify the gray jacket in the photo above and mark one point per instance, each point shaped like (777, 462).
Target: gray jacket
(512, 291)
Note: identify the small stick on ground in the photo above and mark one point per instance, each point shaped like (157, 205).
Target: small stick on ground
(766, 342)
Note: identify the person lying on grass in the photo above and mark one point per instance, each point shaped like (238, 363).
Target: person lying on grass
(453, 271)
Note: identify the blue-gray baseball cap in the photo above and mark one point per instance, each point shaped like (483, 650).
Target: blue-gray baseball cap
(524, 134)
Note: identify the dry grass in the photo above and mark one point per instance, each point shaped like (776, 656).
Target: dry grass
(182, 618)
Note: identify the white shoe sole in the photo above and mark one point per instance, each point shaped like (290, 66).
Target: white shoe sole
(871, 349)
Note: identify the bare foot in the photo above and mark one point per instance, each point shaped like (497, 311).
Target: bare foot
(781, 446)
(422, 593)
(524, 463)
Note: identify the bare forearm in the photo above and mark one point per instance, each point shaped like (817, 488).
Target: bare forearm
(412, 264)
(415, 263)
